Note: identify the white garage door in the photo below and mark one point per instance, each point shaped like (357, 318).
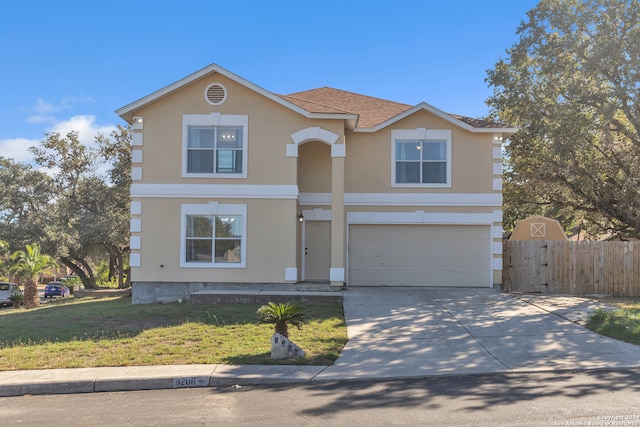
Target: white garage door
(419, 255)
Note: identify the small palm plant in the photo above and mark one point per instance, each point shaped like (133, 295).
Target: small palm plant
(282, 315)
(73, 282)
(29, 264)
(17, 297)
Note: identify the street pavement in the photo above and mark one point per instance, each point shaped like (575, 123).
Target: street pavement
(393, 333)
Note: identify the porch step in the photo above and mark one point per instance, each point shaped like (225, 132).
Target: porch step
(213, 296)
(284, 287)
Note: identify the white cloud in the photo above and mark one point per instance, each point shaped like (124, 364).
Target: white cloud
(85, 125)
(44, 111)
(17, 149)
(43, 107)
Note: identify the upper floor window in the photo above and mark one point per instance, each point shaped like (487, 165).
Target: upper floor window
(421, 162)
(214, 145)
(421, 158)
(214, 150)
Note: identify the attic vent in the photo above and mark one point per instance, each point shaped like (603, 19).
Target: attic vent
(216, 94)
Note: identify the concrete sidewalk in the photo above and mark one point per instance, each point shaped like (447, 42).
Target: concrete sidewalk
(393, 333)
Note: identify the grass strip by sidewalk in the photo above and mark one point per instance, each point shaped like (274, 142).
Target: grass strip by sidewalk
(110, 331)
(622, 324)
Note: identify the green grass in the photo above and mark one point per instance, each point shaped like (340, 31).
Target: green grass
(622, 324)
(110, 331)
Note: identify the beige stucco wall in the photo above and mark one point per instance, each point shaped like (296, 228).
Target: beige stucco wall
(273, 234)
(314, 167)
(270, 128)
(270, 223)
(368, 162)
(272, 231)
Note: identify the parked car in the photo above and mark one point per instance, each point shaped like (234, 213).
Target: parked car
(6, 290)
(56, 289)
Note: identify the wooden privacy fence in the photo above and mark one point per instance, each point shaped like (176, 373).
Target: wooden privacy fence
(572, 268)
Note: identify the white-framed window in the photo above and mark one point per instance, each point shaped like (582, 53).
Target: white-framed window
(213, 235)
(421, 158)
(214, 146)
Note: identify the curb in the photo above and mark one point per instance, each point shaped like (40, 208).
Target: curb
(221, 376)
(93, 380)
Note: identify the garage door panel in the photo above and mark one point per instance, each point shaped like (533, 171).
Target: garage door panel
(419, 255)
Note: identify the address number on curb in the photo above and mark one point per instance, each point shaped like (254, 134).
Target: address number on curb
(190, 382)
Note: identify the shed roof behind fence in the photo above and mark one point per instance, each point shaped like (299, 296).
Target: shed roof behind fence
(538, 228)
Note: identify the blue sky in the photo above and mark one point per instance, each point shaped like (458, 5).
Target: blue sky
(67, 65)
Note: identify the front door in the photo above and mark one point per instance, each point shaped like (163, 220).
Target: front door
(317, 254)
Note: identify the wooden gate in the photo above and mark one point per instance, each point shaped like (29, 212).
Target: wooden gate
(572, 268)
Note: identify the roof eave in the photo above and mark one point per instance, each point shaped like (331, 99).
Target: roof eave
(506, 131)
(331, 116)
(126, 112)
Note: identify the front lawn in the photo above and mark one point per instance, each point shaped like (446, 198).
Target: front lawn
(110, 331)
(622, 324)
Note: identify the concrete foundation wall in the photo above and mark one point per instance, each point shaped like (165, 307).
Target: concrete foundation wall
(165, 292)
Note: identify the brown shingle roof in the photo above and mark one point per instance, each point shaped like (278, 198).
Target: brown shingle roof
(313, 106)
(371, 111)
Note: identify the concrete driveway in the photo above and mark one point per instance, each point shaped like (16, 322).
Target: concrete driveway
(413, 332)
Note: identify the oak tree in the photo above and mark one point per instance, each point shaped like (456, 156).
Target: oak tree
(571, 84)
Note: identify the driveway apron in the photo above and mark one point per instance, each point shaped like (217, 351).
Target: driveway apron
(417, 332)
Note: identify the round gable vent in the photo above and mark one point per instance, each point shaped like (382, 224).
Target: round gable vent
(216, 94)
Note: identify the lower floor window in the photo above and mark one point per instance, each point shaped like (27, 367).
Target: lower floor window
(212, 239)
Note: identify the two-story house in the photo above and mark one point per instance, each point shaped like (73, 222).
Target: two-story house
(235, 184)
